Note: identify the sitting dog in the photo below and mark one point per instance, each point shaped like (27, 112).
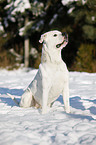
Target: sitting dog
(52, 77)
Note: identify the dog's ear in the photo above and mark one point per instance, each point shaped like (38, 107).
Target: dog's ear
(42, 38)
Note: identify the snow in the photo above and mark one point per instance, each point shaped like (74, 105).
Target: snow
(19, 126)
(21, 30)
(53, 19)
(37, 8)
(19, 6)
(70, 10)
(1, 27)
(34, 52)
(6, 22)
(93, 18)
(84, 2)
(66, 2)
(9, 5)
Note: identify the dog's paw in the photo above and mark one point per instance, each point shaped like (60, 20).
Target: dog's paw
(68, 111)
(46, 110)
(43, 111)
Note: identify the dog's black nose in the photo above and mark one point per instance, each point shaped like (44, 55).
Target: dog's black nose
(64, 34)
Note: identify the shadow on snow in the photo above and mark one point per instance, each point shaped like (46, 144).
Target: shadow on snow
(8, 100)
(75, 102)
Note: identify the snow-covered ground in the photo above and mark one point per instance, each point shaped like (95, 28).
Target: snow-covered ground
(19, 126)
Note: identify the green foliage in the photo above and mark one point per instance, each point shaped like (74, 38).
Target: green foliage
(86, 58)
(78, 19)
(85, 19)
(35, 62)
(3, 41)
(7, 60)
(89, 32)
(37, 8)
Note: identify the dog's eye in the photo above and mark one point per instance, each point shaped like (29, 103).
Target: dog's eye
(55, 35)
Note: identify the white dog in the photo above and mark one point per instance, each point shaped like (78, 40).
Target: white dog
(52, 77)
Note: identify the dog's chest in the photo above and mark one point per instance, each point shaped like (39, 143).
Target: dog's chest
(52, 80)
(57, 84)
(57, 79)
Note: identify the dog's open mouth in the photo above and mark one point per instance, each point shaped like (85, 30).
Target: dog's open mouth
(59, 45)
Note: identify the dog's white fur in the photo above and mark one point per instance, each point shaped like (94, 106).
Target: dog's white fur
(52, 77)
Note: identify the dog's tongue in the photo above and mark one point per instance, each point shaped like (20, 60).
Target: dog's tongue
(58, 45)
(63, 43)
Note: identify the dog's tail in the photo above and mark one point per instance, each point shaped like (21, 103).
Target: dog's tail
(13, 98)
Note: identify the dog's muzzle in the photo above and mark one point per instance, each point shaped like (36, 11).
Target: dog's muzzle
(65, 39)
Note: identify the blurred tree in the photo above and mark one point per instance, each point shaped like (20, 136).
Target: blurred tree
(84, 14)
(26, 20)
(86, 58)
(84, 33)
(25, 14)
(16, 9)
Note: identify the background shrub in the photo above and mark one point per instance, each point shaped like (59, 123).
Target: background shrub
(86, 58)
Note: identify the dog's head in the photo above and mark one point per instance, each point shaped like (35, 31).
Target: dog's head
(54, 39)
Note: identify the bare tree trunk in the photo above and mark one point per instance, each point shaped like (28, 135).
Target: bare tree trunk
(26, 47)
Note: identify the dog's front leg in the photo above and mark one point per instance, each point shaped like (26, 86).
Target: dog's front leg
(45, 93)
(44, 100)
(66, 97)
(45, 88)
